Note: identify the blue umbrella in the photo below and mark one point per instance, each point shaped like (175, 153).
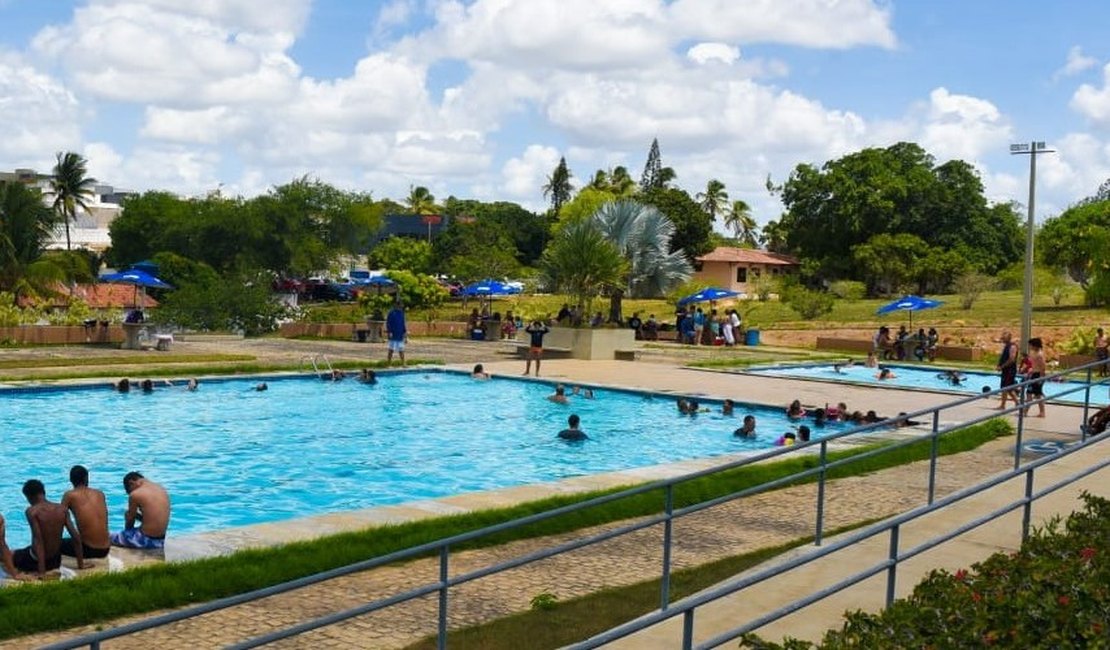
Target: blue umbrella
(489, 287)
(379, 284)
(137, 277)
(910, 304)
(710, 294)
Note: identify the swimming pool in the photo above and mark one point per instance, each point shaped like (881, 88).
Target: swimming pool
(231, 456)
(921, 378)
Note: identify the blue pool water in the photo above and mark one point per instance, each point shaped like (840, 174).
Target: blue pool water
(230, 456)
(923, 377)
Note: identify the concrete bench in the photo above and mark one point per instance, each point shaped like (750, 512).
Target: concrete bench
(626, 355)
(950, 352)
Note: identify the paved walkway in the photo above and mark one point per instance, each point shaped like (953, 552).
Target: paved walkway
(736, 528)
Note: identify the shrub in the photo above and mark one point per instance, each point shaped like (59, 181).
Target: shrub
(416, 290)
(808, 303)
(1051, 594)
(848, 289)
(970, 286)
(544, 601)
(1082, 341)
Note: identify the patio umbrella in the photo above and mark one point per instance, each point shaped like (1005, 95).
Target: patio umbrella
(711, 294)
(137, 278)
(910, 304)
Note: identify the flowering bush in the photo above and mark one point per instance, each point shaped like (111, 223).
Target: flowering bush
(1054, 593)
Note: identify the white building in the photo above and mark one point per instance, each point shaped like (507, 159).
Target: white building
(90, 228)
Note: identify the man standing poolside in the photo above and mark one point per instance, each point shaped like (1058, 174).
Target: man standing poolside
(47, 521)
(90, 512)
(149, 505)
(396, 333)
(536, 331)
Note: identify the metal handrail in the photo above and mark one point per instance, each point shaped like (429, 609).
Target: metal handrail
(891, 526)
(442, 546)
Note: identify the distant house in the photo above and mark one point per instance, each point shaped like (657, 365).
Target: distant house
(412, 226)
(739, 269)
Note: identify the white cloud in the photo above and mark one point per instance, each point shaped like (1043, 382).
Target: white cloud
(247, 15)
(173, 168)
(716, 52)
(1094, 103)
(1077, 62)
(204, 126)
(132, 52)
(524, 175)
(808, 23)
(961, 126)
(40, 115)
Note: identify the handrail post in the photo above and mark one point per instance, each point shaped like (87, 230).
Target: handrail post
(1086, 407)
(665, 583)
(1020, 431)
(441, 635)
(934, 448)
(688, 629)
(821, 495)
(892, 570)
(1027, 507)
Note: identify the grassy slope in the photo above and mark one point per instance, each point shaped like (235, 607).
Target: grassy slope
(60, 605)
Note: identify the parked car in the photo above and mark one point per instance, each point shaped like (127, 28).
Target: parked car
(331, 291)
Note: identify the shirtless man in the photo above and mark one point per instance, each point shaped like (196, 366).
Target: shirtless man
(90, 512)
(149, 505)
(47, 521)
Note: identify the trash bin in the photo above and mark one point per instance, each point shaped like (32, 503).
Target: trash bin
(477, 334)
(362, 335)
(751, 337)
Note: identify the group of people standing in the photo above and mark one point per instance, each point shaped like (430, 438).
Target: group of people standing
(145, 524)
(697, 327)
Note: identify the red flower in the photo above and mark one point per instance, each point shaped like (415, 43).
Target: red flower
(1087, 553)
(1063, 600)
(975, 596)
(961, 575)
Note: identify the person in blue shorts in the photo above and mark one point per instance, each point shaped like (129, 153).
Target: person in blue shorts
(148, 505)
(536, 331)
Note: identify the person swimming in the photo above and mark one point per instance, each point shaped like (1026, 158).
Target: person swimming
(748, 429)
(727, 406)
(479, 372)
(820, 417)
(885, 373)
(573, 433)
(803, 433)
(559, 396)
(261, 386)
(795, 410)
(367, 376)
(786, 440)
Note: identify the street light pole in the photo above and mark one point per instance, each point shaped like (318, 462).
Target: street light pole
(1032, 150)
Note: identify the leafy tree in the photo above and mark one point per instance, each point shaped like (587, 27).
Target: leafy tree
(71, 186)
(970, 286)
(26, 226)
(583, 206)
(415, 290)
(938, 268)
(239, 301)
(580, 261)
(420, 201)
(1070, 241)
(739, 218)
(527, 230)
(403, 253)
(896, 190)
(692, 225)
(558, 186)
(477, 250)
(888, 262)
(616, 181)
(774, 236)
(714, 200)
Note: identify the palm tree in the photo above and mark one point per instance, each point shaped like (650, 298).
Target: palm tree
(580, 261)
(739, 218)
(71, 187)
(620, 183)
(26, 226)
(714, 200)
(420, 201)
(600, 180)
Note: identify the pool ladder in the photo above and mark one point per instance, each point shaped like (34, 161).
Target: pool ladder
(316, 360)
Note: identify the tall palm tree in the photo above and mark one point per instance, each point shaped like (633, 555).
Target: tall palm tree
(71, 187)
(621, 183)
(739, 218)
(420, 201)
(580, 261)
(642, 235)
(714, 200)
(558, 186)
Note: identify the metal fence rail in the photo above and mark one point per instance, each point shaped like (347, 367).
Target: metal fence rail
(442, 548)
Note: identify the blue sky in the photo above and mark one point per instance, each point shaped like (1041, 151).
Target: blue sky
(480, 99)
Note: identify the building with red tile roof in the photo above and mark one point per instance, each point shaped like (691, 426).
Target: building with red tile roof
(739, 269)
